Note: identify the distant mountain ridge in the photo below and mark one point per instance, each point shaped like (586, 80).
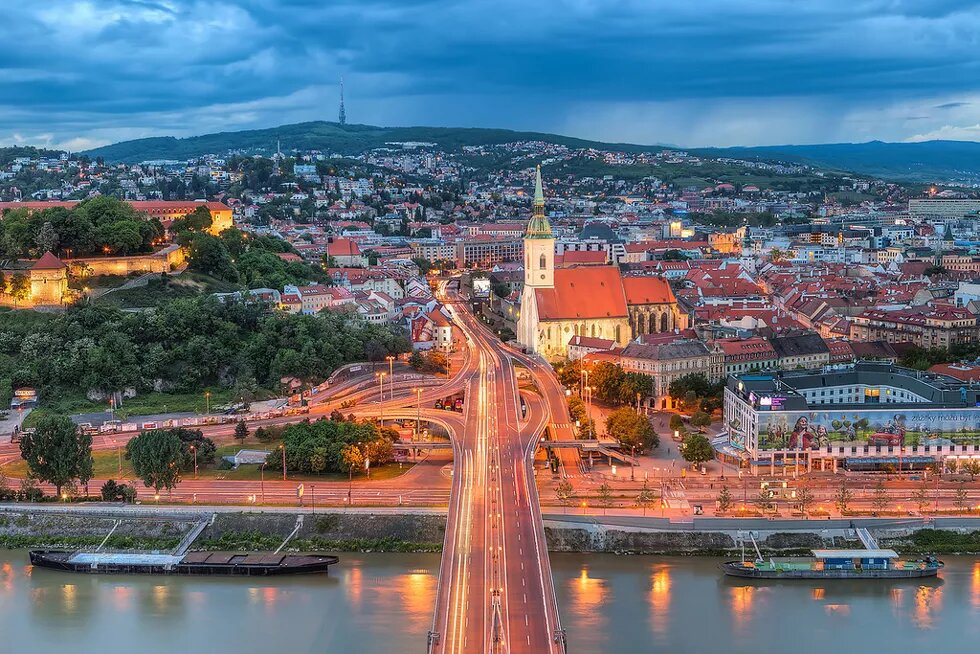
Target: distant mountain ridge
(925, 161)
(327, 137)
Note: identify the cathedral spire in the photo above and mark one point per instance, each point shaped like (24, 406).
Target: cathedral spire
(538, 227)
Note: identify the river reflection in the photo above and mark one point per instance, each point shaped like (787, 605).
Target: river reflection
(369, 603)
(681, 605)
(384, 602)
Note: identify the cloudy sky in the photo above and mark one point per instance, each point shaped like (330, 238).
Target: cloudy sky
(80, 73)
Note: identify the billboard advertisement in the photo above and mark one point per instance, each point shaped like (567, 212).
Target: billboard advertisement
(811, 430)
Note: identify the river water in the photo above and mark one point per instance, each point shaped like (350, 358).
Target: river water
(383, 603)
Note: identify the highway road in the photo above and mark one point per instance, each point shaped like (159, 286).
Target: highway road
(495, 587)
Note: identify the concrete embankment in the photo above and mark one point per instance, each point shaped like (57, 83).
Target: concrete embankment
(379, 530)
(637, 535)
(137, 528)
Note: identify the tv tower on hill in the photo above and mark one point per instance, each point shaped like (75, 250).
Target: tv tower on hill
(342, 118)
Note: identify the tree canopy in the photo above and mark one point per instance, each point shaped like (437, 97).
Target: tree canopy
(612, 384)
(696, 449)
(182, 346)
(697, 393)
(334, 446)
(158, 457)
(58, 452)
(99, 225)
(631, 429)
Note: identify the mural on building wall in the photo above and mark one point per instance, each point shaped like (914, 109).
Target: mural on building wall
(811, 430)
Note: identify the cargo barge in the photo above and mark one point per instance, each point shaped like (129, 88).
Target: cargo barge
(262, 564)
(836, 564)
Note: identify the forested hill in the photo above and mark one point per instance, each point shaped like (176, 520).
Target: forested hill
(924, 161)
(928, 161)
(326, 137)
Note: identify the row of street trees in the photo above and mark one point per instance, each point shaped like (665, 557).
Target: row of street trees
(612, 384)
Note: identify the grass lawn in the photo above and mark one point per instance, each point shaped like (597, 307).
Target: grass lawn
(107, 464)
(158, 290)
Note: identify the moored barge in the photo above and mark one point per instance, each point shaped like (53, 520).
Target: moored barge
(836, 564)
(261, 564)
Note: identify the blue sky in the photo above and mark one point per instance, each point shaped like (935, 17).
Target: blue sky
(80, 73)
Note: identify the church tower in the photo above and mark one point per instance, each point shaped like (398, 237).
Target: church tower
(539, 244)
(539, 269)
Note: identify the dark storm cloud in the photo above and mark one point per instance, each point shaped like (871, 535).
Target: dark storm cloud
(105, 69)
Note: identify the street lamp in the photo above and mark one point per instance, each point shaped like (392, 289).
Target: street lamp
(194, 451)
(262, 480)
(418, 412)
(350, 480)
(391, 371)
(207, 402)
(282, 446)
(381, 403)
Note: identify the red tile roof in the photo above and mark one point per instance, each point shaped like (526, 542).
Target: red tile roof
(343, 247)
(48, 262)
(591, 292)
(967, 372)
(747, 348)
(584, 257)
(648, 290)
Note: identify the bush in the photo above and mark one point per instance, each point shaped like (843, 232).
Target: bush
(30, 491)
(111, 491)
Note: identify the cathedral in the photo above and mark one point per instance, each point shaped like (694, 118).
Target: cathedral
(593, 301)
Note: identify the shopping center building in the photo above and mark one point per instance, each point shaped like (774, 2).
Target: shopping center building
(862, 416)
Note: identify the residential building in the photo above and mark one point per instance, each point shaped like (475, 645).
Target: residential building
(926, 327)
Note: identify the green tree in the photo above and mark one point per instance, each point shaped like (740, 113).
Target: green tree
(645, 497)
(112, 491)
(879, 497)
(724, 500)
(209, 255)
(631, 429)
(764, 500)
(696, 391)
(605, 496)
(971, 467)
(576, 408)
(424, 265)
(157, 457)
(696, 449)
(58, 452)
(353, 458)
(46, 239)
(245, 390)
(20, 287)
(961, 499)
(805, 498)
(843, 497)
(241, 431)
(676, 423)
(921, 498)
(587, 429)
(700, 419)
(565, 492)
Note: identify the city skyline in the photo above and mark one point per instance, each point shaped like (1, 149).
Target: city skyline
(717, 75)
